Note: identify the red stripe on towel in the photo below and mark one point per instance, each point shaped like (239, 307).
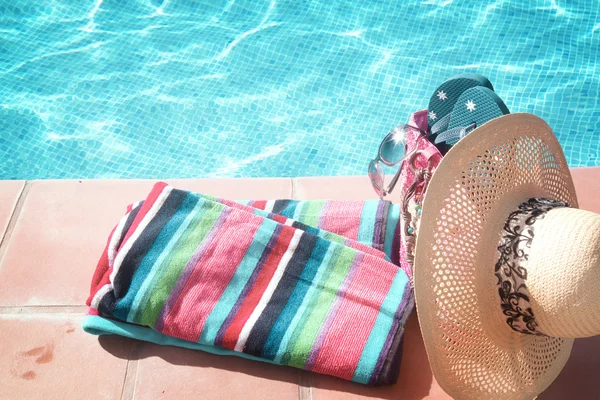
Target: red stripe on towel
(343, 218)
(103, 269)
(235, 204)
(101, 273)
(211, 275)
(341, 352)
(262, 281)
(278, 218)
(148, 203)
(260, 204)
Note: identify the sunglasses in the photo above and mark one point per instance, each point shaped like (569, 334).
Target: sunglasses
(392, 151)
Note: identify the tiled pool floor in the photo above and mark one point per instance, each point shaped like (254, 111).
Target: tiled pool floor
(257, 88)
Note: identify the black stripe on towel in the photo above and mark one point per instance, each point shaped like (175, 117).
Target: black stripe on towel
(145, 241)
(279, 206)
(128, 223)
(261, 330)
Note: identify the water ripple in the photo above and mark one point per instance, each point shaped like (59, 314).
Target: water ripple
(173, 88)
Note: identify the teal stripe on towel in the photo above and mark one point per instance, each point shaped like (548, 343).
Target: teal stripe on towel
(289, 209)
(367, 222)
(392, 222)
(381, 328)
(162, 261)
(331, 257)
(238, 282)
(295, 301)
(159, 246)
(299, 211)
(99, 326)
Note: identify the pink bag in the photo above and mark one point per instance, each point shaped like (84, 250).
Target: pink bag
(422, 158)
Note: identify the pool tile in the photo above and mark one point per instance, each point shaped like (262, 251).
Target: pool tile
(63, 227)
(50, 357)
(415, 380)
(9, 194)
(273, 88)
(174, 373)
(342, 188)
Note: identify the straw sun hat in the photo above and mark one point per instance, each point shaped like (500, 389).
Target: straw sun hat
(507, 269)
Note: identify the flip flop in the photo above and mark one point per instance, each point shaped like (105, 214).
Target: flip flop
(473, 108)
(445, 96)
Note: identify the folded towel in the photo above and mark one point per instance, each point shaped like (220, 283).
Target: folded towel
(194, 271)
(374, 223)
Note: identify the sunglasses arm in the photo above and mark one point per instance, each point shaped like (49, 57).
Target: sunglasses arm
(410, 159)
(394, 181)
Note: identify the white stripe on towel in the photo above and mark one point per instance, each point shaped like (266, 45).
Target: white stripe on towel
(264, 300)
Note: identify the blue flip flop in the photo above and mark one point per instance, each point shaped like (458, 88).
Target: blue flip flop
(474, 107)
(445, 96)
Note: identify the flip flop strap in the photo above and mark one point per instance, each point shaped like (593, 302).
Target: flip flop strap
(451, 134)
(441, 125)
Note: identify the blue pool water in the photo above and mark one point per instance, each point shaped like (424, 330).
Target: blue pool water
(207, 88)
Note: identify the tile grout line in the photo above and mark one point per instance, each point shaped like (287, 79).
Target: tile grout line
(304, 385)
(130, 378)
(49, 309)
(16, 212)
(293, 188)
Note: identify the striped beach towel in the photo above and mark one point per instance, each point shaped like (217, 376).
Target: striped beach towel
(247, 279)
(374, 223)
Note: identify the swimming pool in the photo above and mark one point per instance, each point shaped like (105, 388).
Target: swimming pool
(244, 88)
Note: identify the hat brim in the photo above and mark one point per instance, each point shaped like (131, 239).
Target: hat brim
(472, 351)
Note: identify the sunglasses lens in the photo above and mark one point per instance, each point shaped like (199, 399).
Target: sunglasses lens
(393, 146)
(376, 176)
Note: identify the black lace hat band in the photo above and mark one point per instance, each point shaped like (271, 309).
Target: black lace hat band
(511, 268)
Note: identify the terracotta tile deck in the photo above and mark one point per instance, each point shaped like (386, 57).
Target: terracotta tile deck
(51, 235)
